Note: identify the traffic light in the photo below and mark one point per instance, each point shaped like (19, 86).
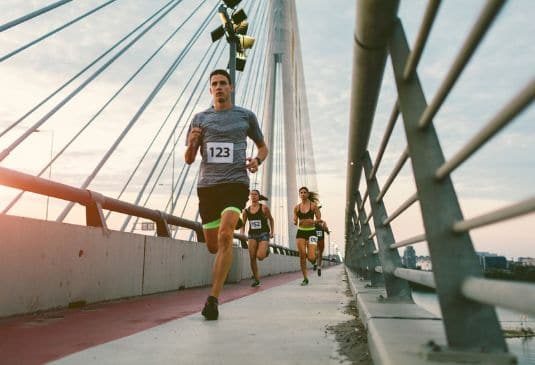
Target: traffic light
(235, 29)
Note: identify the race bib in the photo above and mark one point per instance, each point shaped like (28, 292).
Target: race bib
(256, 224)
(313, 240)
(319, 233)
(219, 152)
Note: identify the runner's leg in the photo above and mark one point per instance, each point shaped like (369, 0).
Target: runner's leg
(223, 259)
(253, 249)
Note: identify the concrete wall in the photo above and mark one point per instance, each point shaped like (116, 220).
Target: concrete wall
(46, 265)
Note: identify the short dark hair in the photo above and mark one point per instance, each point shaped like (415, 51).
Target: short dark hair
(220, 71)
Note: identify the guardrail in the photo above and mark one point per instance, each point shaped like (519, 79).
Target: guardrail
(95, 203)
(466, 299)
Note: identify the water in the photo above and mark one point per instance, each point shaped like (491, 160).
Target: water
(523, 348)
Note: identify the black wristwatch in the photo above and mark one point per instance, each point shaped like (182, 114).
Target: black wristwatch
(258, 160)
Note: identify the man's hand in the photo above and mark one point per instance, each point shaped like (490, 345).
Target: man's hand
(194, 137)
(270, 234)
(252, 164)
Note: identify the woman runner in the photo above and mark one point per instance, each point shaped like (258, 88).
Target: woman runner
(259, 232)
(306, 239)
(321, 229)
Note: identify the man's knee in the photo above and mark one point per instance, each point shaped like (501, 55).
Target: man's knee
(225, 235)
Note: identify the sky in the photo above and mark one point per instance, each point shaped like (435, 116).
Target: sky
(501, 173)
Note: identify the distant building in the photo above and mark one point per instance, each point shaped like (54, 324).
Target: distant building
(526, 261)
(491, 261)
(409, 258)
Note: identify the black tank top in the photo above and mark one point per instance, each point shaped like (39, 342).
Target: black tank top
(257, 221)
(307, 215)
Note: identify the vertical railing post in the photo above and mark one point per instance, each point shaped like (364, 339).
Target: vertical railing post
(396, 288)
(469, 325)
(372, 260)
(353, 248)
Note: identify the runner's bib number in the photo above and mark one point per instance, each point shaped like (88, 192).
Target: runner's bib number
(220, 152)
(256, 224)
(312, 240)
(319, 233)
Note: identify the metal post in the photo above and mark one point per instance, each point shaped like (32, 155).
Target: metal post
(395, 287)
(372, 260)
(469, 325)
(232, 65)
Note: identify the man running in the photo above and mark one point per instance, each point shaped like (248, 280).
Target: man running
(221, 133)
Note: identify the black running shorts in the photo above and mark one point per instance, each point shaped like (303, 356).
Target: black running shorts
(305, 234)
(214, 199)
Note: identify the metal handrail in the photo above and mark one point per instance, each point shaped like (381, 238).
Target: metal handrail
(473, 40)
(511, 211)
(501, 293)
(421, 38)
(403, 207)
(53, 189)
(386, 137)
(425, 278)
(453, 256)
(399, 165)
(506, 115)
(409, 241)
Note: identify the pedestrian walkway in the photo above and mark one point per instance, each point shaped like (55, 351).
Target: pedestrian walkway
(286, 324)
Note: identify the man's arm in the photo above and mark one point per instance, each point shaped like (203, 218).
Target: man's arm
(194, 139)
(253, 163)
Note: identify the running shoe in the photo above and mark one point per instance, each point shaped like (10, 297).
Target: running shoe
(304, 282)
(255, 283)
(210, 311)
(315, 267)
(319, 272)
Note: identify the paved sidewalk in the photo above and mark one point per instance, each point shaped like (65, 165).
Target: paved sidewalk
(286, 324)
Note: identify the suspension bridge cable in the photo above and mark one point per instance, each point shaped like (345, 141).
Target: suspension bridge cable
(138, 198)
(32, 15)
(262, 76)
(245, 88)
(38, 105)
(185, 169)
(41, 121)
(20, 49)
(200, 94)
(164, 123)
(193, 183)
(132, 122)
(58, 154)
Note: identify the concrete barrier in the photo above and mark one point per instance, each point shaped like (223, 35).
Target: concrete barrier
(45, 265)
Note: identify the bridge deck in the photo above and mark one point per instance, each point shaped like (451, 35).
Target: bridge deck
(281, 323)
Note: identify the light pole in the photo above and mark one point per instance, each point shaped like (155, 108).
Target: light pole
(234, 27)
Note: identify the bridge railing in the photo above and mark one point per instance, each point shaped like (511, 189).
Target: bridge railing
(466, 299)
(95, 203)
